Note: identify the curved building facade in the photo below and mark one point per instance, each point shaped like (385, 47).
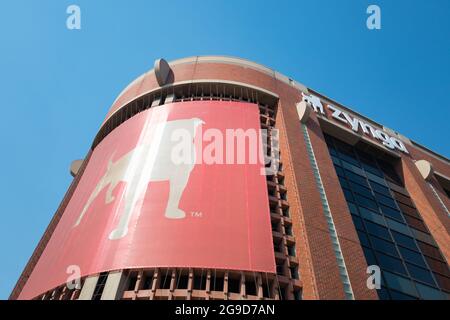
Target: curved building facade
(218, 178)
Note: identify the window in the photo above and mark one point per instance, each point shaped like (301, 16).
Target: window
(401, 296)
(278, 246)
(390, 263)
(366, 202)
(372, 169)
(387, 201)
(291, 251)
(377, 230)
(288, 229)
(182, 281)
(294, 272)
(363, 239)
(360, 190)
(356, 178)
(444, 282)
(389, 172)
(266, 288)
(420, 274)
(348, 194)
(250, 286)
(132, 281)
(280, 269)
(404, 240)
(164, 282)
(148, 280)
(390, 229)
(379, 188)
(217, 281)
(409, 210)
(412, 256)
(375, 178)
(335, 160)
(234, 285)
(358, 223)
(352, 168)
(438, 266)
(399, 283)
(393, 213)
(284, 292)
(372, 216)
(339, 171)
(384, 246)
(416, 224)
(383, 294)
(343, 182)
(199, 280)
(397, 226)
(370, 256)
(352, 208)
(275, 225)
(429, 293)
(297, 294)
(430, 250)
(348, 155)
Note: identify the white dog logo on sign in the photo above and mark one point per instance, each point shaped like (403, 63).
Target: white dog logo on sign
(149, 161)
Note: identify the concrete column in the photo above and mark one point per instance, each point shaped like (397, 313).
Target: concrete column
(88, 288)
(242, 285)
(114, 286)
(260, 287)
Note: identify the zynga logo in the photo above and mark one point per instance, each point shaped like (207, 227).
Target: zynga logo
(169, 151)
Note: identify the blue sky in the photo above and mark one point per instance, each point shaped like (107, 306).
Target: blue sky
(57, 84)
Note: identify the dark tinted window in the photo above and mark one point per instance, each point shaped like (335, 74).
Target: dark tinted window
(420, 274)
(388, 224)
(412, 256)
(390, 212)
(390, 263)
(384, 246)
(377, 230)
(387, 201)
(356, 178)
(379, 188)
(404, 240)
(366, 202)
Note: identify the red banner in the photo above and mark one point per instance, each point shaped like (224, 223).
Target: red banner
(163, 190)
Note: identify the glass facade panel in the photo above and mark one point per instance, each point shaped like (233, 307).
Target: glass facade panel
(420, 274)
(390, 229)
(412, 256)
(400, 284)
(393, 213)
(384, 246)
(389, 263)
(377, 230)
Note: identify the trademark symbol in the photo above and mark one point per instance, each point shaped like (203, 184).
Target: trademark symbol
(196, 214)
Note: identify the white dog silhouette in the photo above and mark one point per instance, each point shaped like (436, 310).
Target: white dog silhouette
(149, 161)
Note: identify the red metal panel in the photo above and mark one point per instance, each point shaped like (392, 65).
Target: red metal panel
(179, 215)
